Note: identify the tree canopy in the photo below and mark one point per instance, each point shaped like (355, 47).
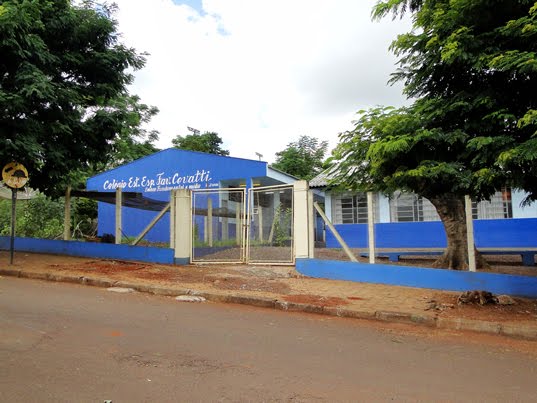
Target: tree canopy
(208, 142)
(302, 158)
(472, 128)
(63, 88)
(133, 140)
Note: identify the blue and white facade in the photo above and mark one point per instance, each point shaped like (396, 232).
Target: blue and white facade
(156, 175)
(409, 221)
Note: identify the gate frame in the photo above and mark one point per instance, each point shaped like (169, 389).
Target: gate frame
(243, 216)
(302, 224)
(248, 226)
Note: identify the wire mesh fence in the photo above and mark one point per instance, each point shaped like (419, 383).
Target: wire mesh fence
(270, 233)
(218, 225)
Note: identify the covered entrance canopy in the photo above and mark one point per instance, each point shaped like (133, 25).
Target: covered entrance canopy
(146, 185)
(128, 199)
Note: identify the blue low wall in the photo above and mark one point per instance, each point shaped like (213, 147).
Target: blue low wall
(438, 279)
(91, 249)
(514, 232)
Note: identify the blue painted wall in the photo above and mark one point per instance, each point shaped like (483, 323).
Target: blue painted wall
(133, 221)
(438, 279)
(516, 232)
(91, 249)
(156, 175)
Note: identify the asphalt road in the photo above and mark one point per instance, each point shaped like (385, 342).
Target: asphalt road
(70, 343)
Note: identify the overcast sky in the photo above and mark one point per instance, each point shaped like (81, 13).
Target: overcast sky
(260, 73)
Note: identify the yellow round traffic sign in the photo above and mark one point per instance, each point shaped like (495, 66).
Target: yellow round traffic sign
(15, 175)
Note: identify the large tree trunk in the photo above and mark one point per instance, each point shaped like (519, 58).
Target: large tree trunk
(450, 208)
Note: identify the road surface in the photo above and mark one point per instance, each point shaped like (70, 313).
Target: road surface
(70, 343)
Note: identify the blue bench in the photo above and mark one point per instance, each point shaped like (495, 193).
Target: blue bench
(527, 254)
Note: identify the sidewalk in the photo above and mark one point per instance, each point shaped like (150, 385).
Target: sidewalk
(283, 288)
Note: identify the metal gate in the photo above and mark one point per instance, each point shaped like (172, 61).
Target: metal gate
(223, 231)
(270, 225)
(218, 234)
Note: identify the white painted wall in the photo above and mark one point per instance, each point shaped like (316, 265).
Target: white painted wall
(522, 212)
(384, 208)
(280, 176)
(328, 205)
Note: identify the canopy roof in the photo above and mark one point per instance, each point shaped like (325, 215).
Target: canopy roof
(128, 199)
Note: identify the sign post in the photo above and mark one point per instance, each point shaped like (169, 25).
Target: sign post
(15, 176)
(13, 222)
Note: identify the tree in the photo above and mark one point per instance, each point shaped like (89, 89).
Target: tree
(469, 66)
(42, 217)
(63, 80)
(131, 142)
(303, 158)
(208, 142)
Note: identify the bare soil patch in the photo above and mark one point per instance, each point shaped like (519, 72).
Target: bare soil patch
(257, 253)
(316, 300)
(103, 266)
(251, 284)
(524, 309)
(218, 276)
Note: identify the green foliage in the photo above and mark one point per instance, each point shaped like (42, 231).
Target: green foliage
(282, 226)
(42, 217)
(303, 158)
(5, 215)
(130, 143)
(208, 142)
(469, 66)
(83, 217)
(63, 89)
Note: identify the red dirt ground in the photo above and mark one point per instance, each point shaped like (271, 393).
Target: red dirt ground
(316, 300)
(225, 277)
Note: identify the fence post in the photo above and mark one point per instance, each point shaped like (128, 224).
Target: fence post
(210, 221)
(301, 221)
(470, 233)
(370, 228)
(225, 221)
(67, 215)
(183, 226)
(238, 224)
(311, 224)
(172, 219)
(119, 224)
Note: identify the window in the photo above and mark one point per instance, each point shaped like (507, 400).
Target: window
(499, 206)
(350, 209)
(406, 207)
(411, 207)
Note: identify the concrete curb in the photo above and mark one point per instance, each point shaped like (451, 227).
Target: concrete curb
(528, 332)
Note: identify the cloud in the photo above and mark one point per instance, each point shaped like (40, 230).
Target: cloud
(260, 73)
